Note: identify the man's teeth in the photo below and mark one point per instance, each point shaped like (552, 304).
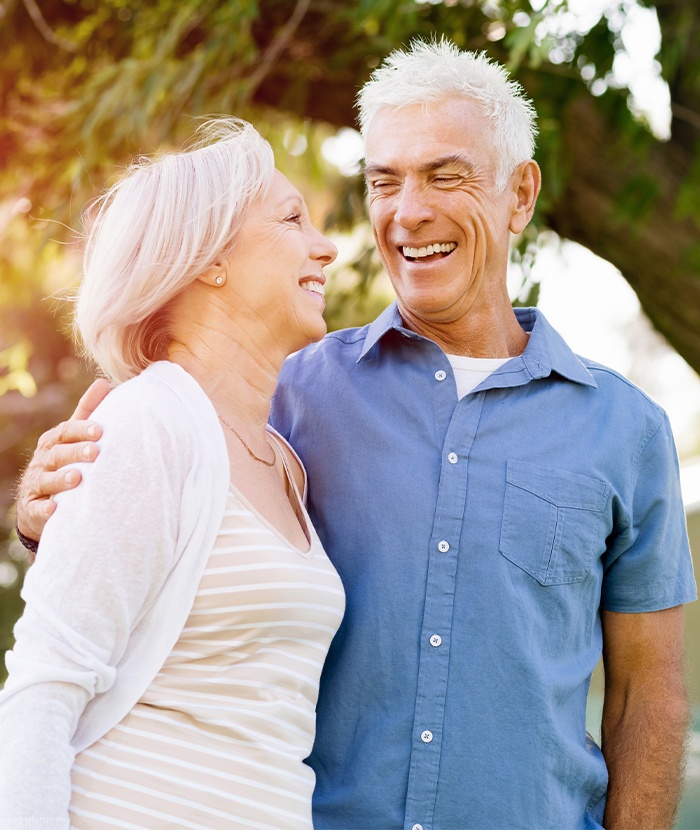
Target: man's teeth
(429, 250)
(313, 285)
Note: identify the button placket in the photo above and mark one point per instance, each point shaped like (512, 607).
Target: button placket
(442, 567)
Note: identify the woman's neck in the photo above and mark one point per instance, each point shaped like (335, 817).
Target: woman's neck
(238, 375)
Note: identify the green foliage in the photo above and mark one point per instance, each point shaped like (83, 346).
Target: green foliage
(10, 609)
(13, 370)
(688, 204)
(637, 199)
(138, 73)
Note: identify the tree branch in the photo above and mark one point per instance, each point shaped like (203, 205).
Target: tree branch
(45, 30)
(685, 114)
(274, 49)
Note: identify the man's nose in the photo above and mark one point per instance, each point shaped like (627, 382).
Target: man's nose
(413, 207)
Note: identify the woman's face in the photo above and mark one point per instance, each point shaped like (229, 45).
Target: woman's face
(276, 267)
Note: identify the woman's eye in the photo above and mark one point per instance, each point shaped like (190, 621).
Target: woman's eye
(294, 217)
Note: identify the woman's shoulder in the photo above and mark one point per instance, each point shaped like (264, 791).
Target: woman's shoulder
(161, 405)
(160, 382)
(159, 431)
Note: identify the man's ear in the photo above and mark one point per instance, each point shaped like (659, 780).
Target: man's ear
(215, 275)
(526, 187)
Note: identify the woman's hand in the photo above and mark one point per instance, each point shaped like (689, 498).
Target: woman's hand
(71, 441)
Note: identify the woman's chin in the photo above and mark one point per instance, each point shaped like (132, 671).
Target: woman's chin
(307, 335)
(317, 332)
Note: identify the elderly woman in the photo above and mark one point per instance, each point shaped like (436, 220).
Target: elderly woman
(167, 663)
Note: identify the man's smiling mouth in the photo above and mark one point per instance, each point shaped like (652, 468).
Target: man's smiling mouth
(436, 250)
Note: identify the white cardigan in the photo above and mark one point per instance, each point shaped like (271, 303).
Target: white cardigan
(115, 578)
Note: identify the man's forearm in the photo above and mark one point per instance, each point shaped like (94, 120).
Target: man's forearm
(644, 748)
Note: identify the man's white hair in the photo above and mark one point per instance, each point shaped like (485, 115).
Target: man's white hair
(433, 71)
(164, 223)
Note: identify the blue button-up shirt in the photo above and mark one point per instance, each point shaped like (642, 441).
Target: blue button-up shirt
(477, 540)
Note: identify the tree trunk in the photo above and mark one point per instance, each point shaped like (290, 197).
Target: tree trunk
(629, 215)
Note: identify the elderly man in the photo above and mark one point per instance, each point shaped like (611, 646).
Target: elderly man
(499, 509)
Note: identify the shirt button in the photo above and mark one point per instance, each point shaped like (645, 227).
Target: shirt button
(440, 375)
(417, 827)
(435, 640)
(453, 458)
(426, 736)
(443, 546)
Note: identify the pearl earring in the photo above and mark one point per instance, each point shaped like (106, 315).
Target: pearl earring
(219, 280)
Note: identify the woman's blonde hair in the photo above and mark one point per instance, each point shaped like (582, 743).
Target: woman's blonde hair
(151, 234)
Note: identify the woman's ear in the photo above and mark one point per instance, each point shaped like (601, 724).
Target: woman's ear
(526, 189)
(215, 275)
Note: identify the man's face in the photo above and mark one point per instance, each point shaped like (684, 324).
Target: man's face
(430, 174)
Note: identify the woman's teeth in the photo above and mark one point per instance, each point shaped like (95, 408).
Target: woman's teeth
(313, 286)
(429, 250)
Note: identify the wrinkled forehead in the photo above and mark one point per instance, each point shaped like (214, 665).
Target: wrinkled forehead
(416, 134)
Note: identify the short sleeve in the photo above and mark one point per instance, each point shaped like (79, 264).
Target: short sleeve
(648, 566)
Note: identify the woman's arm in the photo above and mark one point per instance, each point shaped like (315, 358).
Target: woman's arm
(103, 557)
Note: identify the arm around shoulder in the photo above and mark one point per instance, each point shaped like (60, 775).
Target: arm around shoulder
(69, 442)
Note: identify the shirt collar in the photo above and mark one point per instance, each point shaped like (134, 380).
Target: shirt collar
(389, 319)
(546, 351)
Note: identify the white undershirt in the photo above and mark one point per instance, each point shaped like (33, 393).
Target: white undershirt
(470, 371)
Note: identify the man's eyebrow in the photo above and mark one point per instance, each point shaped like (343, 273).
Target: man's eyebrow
(453, 160)
(377, 169)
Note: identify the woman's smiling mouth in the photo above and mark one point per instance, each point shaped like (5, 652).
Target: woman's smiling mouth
(313, 286)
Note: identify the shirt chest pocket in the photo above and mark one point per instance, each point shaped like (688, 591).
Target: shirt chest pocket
(553, 522)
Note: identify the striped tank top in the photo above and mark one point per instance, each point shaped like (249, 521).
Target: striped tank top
(219, 738)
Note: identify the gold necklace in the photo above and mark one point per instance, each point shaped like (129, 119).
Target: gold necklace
(240, 438)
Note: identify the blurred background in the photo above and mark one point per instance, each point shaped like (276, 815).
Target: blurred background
(612, 256)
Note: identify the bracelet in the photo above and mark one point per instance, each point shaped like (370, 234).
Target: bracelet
(29, 544)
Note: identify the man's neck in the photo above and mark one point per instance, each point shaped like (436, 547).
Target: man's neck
(492, 335)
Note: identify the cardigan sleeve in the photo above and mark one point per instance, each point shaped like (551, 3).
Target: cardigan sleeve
(103, 557)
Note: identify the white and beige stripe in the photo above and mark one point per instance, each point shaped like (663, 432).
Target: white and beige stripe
(219, 738)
